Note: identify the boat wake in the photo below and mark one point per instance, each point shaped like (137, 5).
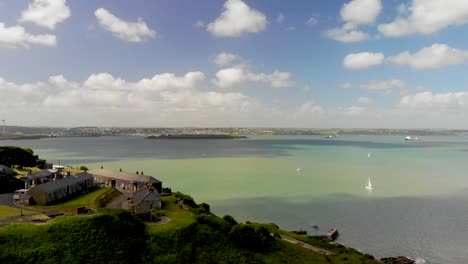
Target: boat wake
(419, 261)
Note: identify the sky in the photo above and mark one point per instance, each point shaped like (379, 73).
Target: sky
(234, 63)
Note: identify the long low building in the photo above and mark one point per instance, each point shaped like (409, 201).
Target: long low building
(54, 191)
(125, 181)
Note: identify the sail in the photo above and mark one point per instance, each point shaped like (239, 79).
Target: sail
(369, 184)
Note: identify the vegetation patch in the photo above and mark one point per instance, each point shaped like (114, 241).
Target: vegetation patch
(6, 211)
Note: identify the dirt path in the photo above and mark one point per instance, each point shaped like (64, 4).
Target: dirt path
(305, 245)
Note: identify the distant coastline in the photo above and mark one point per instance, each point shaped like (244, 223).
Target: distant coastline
(195, 136)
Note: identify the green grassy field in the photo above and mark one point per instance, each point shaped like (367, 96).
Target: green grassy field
(6, 211)
(89, 200)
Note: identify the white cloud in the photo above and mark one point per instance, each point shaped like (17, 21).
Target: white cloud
(360, 12)
(107, 100)
(224, 59)
(347, 36)
(354, 14)
(436, 101)
(433, 57)
(383, 85)
(46, 13)
(199, 24)
(311, 21)
(346, 85)
(363, 60)
(353, 110)
(170, 81)
(16, 36)
(237, 75)
(311, 108)
(428, 16)
(237, 19)
(128, 31)
(364, 100)
(280, 18)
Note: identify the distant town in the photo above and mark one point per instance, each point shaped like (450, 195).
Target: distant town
(23, 132)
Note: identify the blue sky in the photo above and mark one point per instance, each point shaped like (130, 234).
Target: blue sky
(353, 63)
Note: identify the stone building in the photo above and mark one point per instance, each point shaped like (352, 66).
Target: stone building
(125, 181)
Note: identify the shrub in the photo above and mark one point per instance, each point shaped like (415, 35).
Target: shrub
(230, 219)
(251, 237)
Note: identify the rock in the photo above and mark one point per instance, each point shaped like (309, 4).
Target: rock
(398, 260)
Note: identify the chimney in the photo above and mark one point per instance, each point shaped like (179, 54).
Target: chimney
(137, 172)
(120, 169)
(102, 167)
(141, 172)
(68, 173)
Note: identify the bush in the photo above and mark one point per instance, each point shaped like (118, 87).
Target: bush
(84, 168)
(230, 219)
(205, 206)
(251, 237)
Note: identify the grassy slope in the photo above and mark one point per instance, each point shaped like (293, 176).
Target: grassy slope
(114, 236)
(89, 200)
(6, 211)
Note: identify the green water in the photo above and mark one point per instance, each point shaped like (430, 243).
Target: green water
(418, 206)
(324, 171)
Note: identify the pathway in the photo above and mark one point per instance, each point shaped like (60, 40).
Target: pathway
(305, 245)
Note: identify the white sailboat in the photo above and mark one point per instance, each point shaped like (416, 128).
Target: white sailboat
(369, 185)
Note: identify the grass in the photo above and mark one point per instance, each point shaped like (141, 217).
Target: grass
(180, 217)
(6, 211)
(89, 200)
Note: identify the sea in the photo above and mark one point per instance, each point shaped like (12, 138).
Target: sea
(418, 207)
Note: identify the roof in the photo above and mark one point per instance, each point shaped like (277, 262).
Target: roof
(120, 175)
(4, 170)
(38, 174)
(59, 184)
(141, 194)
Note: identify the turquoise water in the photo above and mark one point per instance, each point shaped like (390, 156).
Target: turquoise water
(418, 207)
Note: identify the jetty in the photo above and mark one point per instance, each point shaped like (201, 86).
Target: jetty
(299, 232)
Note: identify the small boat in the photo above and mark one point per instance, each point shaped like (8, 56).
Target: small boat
(368, 155)
(369, 185)
(298, 169)
(315, 226)
(408, 138)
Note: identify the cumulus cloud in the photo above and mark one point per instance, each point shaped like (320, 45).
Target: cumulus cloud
(128, 31)
(46, 13)
(225, 58)
(346, 85)
(280, 18)
(436, 101)
(433, 57)
(16, 37)
(360, 12)
(237, 19)
(383, 85)
(199, 24)
(364, 100)
(363, 60)
(427, 16)
(170, 81)
(229, 77)
(354, 14)
(343, 35)
(311, 21)
(104, 99)
(311, 108)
